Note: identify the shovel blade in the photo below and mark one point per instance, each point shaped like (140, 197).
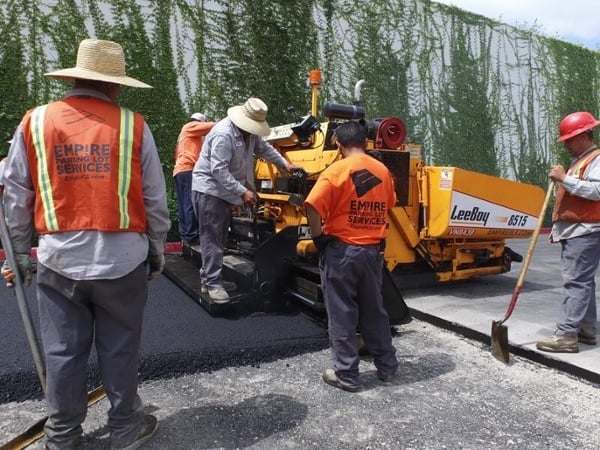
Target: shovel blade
(499, 336)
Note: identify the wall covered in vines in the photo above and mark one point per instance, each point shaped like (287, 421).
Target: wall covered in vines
(476, 93)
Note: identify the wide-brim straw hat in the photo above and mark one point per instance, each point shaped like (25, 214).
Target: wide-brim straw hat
(251, 117)
(101, 61)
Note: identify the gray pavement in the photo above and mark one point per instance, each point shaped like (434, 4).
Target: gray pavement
(469, 308)
(450, 392)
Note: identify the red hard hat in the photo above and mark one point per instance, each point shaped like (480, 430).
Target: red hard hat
(576, 123)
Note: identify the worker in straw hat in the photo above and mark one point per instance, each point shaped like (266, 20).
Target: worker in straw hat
(224, 176)
(85, 175)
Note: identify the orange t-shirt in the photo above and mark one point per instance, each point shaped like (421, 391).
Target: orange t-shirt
(189, 144)
(353, 196)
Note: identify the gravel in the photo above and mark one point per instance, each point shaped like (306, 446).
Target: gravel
(450, 393)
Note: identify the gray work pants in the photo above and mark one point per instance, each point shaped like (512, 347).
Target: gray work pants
(214, 216)
(579, 258)
(73, 315)
(351, 278)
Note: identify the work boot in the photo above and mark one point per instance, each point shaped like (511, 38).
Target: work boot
(227, 285)
(77, 444)
(385, 377)
(218, 294)
(586, 338)
(146, 431)
(331, 379)
(559, 344)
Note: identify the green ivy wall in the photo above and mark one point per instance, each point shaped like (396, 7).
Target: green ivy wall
(476, 93)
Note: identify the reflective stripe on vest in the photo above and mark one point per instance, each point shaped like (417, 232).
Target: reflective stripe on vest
(37, 133)
(125, 161)
(125, 154)
(575, 169)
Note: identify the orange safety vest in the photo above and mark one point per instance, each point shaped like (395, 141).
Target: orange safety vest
(84, 156)
(571, 208)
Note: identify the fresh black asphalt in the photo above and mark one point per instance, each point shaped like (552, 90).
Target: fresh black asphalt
(179, 337)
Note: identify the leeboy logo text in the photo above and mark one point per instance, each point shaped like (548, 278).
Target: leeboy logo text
(470, 215)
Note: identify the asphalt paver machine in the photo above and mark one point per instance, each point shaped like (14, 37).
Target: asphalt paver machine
(448, 224)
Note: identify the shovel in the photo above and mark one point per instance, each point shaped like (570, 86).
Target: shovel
(499, 333)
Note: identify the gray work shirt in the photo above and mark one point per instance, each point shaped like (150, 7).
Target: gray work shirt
(225, 168)
(588, 188)
(2, 164)
(87, 255)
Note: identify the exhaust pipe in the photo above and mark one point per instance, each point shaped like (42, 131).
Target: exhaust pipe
(357, 89)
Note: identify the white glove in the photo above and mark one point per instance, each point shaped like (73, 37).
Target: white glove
(156, 264)
(24, 266)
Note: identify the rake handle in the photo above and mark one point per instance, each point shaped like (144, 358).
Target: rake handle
(530, 250)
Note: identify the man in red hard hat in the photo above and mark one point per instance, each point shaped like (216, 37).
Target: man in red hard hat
(576, 225)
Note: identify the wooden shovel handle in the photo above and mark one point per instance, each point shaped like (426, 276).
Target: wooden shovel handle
(530, 250)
